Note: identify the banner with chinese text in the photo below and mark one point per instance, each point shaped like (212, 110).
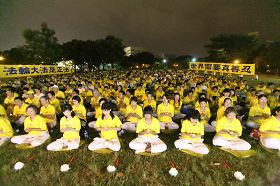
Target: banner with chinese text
(245, 69)
(7, 71)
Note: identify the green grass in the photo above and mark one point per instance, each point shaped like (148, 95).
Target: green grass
(89, 168)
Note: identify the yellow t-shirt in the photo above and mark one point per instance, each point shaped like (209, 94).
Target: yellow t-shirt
(60, 95)
(73, 123)
(10, 100)
(257, 111)
(165, 109)
(49, 110)
(6, 128)
(224, 124)
(221, 101)
(204, 114)
(81, 110)
(98, 112)
(56, 103)
(38, 123)
(3, 112)
(33, 101)
(95, 101)
(108, 123)
(271, 124)
(177, 106)
(137, 111)
(188, 127)
(153, 126)
(220, 112)
(159, 94)
(188, 100)
(140, 94)
(20, 111)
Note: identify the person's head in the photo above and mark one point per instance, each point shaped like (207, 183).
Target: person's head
(101, 101)
(121, 94)
(76, 100)
(67, 110)
(107, 110)
(253, 91)
(227, 102)
(177, 97)
(148, 112)
(215, 89)
(190, 93)
(55, 88)
(120, 88)
(95, 93)
(18, 101)
(37, 90)
(30, 94)
(75, 92)
(44, 101)
(193, 116)
(230, 113)
(51, 94)
(262, 99)
(31, 111)
(202, 102)
(25, 90)
(10, 91)
(226, 92)
(165, 99)
(149, 95)
(128, 92)
(133, 101)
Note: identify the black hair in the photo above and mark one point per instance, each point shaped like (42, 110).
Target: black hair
(203, 99)
(276, 109)
(76, 91)
(45, 97)
(148, 110)
(226, 100)
(229, 110)
(68, 107)
(226, 90)
(262, 95)
(51, 93)
(107, 106)
(102, 99)
(77, 98)
(18, 98)
(194, 114)
(33, 108)
(133, 99)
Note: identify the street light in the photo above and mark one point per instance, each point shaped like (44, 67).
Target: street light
(164, 60)
(2, 58)
(236, 61)
(193, 59)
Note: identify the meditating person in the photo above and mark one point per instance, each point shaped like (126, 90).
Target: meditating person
(191, 134)
(48, 112)
(70, 126)
(6, 130)
(148, 129)
(36, 127)
(228, 131)
(108, 124)
(270, 131)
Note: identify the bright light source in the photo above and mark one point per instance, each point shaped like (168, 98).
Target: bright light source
(2, 58)
(193, 59)
(236, 61)
(164, 60)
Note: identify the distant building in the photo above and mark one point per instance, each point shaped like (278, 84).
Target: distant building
(133, 50)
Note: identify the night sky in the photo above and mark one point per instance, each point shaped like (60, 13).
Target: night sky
(161, 26)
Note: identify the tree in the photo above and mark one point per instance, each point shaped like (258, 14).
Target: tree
(227, 48)
(18, 55)
(42, 45)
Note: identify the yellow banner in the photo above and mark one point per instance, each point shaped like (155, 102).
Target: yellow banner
(245, 69)
(7, 71)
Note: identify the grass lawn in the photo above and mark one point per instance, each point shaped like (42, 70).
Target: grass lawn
(42, 167)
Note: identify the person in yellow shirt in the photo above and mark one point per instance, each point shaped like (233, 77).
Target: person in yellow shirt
(226, 94)
(191, 132)
(54, 101)
(75, 92)
(58, 94)
(150, 101)
(36, 128)
(3, 112)
(79, 109)
(6, 130)
(108, 124)
(9, 101)
(258, 113)
(87, 94)
(31, 100)
(38, 94)
(228, 131)
(97, 113)
(133, 114)
(70, 126)
(48, 112)
(122, 102)
(205, 115)
(159, 93)
(221, 110)
(148, 129)
(177, 103)
(274, 99)
(140, 93)
(94, 101)
(189, 98)
(19, 112)
(270, 131)
(165, 112)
